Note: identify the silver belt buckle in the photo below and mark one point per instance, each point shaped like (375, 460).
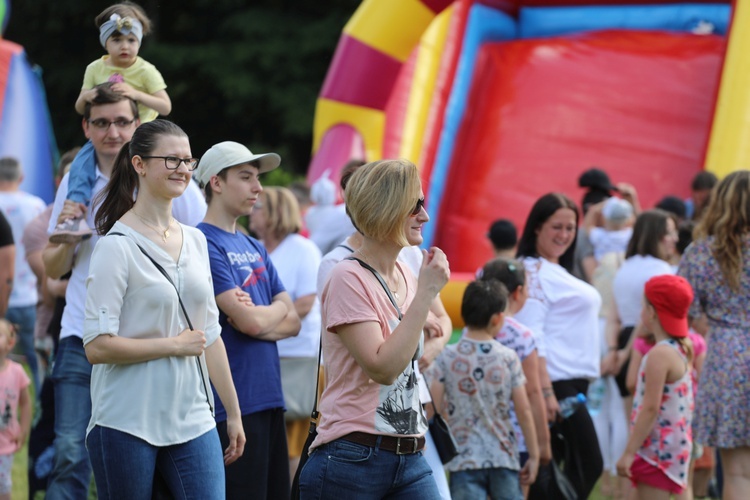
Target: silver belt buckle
(413, 440)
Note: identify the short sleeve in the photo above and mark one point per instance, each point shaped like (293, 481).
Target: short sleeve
(277, 286)
(436, 370)
(221, 269)
(89, 77)
(534, 312)
(212, 327)
(152, 79)
(105, 287)
(640, 345)
(21, 376)
(516, 371)
(346, 299)
(699, 344)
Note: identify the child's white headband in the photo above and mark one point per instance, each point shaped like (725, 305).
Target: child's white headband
(123, 25)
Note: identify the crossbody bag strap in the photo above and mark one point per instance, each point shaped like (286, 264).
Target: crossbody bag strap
(382, 283)
(184, 312)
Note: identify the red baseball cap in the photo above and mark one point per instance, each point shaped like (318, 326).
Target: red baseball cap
(671, 296)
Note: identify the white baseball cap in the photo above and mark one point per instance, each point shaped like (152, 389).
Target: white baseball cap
(229, 154)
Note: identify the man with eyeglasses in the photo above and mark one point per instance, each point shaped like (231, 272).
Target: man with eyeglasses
(109, 122)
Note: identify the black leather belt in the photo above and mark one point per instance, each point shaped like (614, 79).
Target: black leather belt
(398, 445)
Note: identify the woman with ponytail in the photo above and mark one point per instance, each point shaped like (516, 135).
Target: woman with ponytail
(151, 404)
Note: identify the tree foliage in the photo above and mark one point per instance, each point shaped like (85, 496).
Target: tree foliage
(247, 71)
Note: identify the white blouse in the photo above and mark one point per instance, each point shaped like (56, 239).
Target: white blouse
(162, 401)
(563, 313)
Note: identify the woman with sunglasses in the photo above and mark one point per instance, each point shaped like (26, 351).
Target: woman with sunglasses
(151, 400)
(371, 432)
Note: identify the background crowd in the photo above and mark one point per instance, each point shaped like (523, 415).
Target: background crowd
(161, 332)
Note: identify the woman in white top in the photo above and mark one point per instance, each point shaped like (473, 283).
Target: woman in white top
(276, 220)
(648, 253)
(151, 402)
(562, 311)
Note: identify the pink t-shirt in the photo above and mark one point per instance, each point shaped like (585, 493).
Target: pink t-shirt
(351, 401)
(12, 381)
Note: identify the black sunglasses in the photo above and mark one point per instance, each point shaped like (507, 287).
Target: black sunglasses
(418, 207)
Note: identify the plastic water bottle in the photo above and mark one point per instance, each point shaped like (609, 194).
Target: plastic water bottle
(569, 405)
(595, 396)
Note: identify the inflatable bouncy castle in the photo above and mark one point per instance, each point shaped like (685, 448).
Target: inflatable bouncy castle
(501, 101)
(25, 126)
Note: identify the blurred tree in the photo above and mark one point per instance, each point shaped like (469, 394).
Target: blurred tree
(235, 69)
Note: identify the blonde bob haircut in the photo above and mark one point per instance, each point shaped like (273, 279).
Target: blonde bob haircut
(284, 215)
(380, 196)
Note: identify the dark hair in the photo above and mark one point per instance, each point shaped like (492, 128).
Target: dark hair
(503, 234)
(349, 169)
(125, 9)
(118, 195)
(650, 227)
(508, 272)
(704, 181)
(105, 95)
(673, 205)
(685, 235)
(481, 300)
(208, 190)
(593, 197)
(542, 210)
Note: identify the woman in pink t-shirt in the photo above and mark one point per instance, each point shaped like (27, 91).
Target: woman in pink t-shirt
(372, 427)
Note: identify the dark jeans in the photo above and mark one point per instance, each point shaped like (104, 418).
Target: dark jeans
(263, 469)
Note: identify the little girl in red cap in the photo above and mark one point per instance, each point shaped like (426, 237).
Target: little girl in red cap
(657, 456)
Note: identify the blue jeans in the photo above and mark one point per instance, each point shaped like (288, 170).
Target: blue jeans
(82, 175)
(342, 469)
(124, 466)
(499, 483)
(25, 318)
(71, 375)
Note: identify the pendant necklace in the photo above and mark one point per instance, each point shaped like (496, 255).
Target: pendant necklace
(164, 233)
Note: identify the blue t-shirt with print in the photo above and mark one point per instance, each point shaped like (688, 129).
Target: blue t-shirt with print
(239, 260)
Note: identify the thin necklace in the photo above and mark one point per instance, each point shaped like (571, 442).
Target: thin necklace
(164, 233)
(390, 287)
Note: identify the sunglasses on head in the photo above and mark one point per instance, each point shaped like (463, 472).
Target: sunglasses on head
(418, 207)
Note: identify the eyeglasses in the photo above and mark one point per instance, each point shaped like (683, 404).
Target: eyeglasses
(103, 124)
(173, 162)
(418, 207)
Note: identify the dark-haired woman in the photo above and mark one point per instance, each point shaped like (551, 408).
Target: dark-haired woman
(562, 311)
(151, 405)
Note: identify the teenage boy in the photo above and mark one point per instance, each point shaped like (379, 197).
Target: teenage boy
(240, 267)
